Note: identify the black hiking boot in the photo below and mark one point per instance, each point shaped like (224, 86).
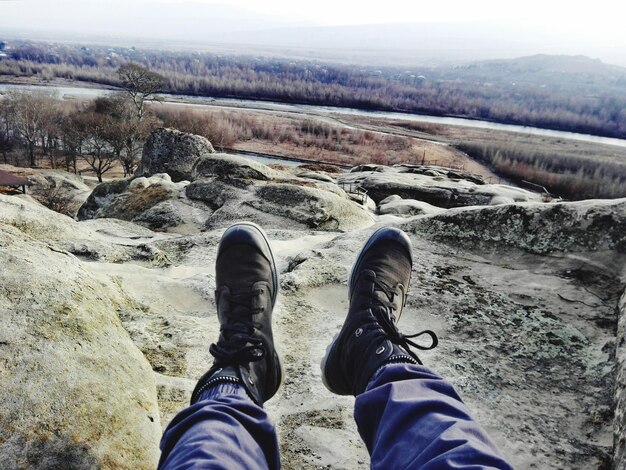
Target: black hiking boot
(369, 337)
(246, 284)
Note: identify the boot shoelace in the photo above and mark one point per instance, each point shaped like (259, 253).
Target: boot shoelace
(387, 321)
(241, 345)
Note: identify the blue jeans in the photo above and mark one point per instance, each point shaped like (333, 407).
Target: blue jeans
(408, 417)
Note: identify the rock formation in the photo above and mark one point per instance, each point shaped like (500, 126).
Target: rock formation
(76, 391)
(107, 323)
(224, 188)
(173, 152)
(437, 186)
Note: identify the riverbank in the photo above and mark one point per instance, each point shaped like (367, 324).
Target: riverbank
(569, 165)
(77, 90)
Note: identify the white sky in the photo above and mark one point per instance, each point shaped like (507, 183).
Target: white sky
(592, 27)
(590, 15)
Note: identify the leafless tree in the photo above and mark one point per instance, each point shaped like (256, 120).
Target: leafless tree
(97, 153)
(141, 84)
(124, 134)
(28, 114)
(6, 140)
(73, 136)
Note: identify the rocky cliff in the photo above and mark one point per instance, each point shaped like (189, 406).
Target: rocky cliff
(106, 322)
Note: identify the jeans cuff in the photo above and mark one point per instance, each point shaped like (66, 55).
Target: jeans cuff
(220, 389)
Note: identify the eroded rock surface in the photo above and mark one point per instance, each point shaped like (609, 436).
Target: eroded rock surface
(76, 392)
(224, 188)
(537, 228)
(619, 430)
(437, 186)
(522, 295)
(173, 152)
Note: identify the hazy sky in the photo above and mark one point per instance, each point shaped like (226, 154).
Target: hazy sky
(596, 15)
(593, 27)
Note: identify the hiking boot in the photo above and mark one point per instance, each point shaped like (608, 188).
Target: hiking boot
(369, 337)
(246, 284)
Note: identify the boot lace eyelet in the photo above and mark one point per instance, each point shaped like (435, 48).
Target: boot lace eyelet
(380, 350)
(358, 332)
(250, 380)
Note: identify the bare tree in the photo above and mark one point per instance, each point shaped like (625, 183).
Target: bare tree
(141, 84)
(124, 134)
(6, 140)
(50, 132)
(73, 137)
(97, 153)
(27, 111)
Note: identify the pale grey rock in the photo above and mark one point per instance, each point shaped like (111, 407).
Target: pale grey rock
(407, 207)
(129, 199)
(518, 331)
(497, 200)
(160, 216)
(76, 392)
(326, 186)
(392, 198)
(100, 197)
(58, 190)
(445, 189)
(173, 152)
(522, 296)
(315, 175)
(619, 423)
(225, 166)
(213, 192)
(59, 231)
(310, 206)
(537, 228)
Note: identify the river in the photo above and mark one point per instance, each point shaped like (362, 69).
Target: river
(78, 92)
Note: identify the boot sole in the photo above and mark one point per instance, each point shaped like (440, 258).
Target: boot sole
(390, 233)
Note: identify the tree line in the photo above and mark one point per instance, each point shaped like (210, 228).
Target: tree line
(100, 133)
(574, 177)
(567, 106)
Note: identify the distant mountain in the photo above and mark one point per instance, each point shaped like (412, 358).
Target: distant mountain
(556, 71)
(422, 43)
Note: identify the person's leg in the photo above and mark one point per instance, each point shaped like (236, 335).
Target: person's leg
(225, 426)
(224, 429)
(408, 416)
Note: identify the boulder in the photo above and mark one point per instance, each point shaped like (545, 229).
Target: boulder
(173, 152)
(497, 200)
(316, 175)
(128, 199)
(160, 216)
(76, 392)
(407, 207)
(435, 186)
(534, 227)
(213, 192)
(101, 196)
(227, 166)
(312, 207)
(388, 199)
(56, 230)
